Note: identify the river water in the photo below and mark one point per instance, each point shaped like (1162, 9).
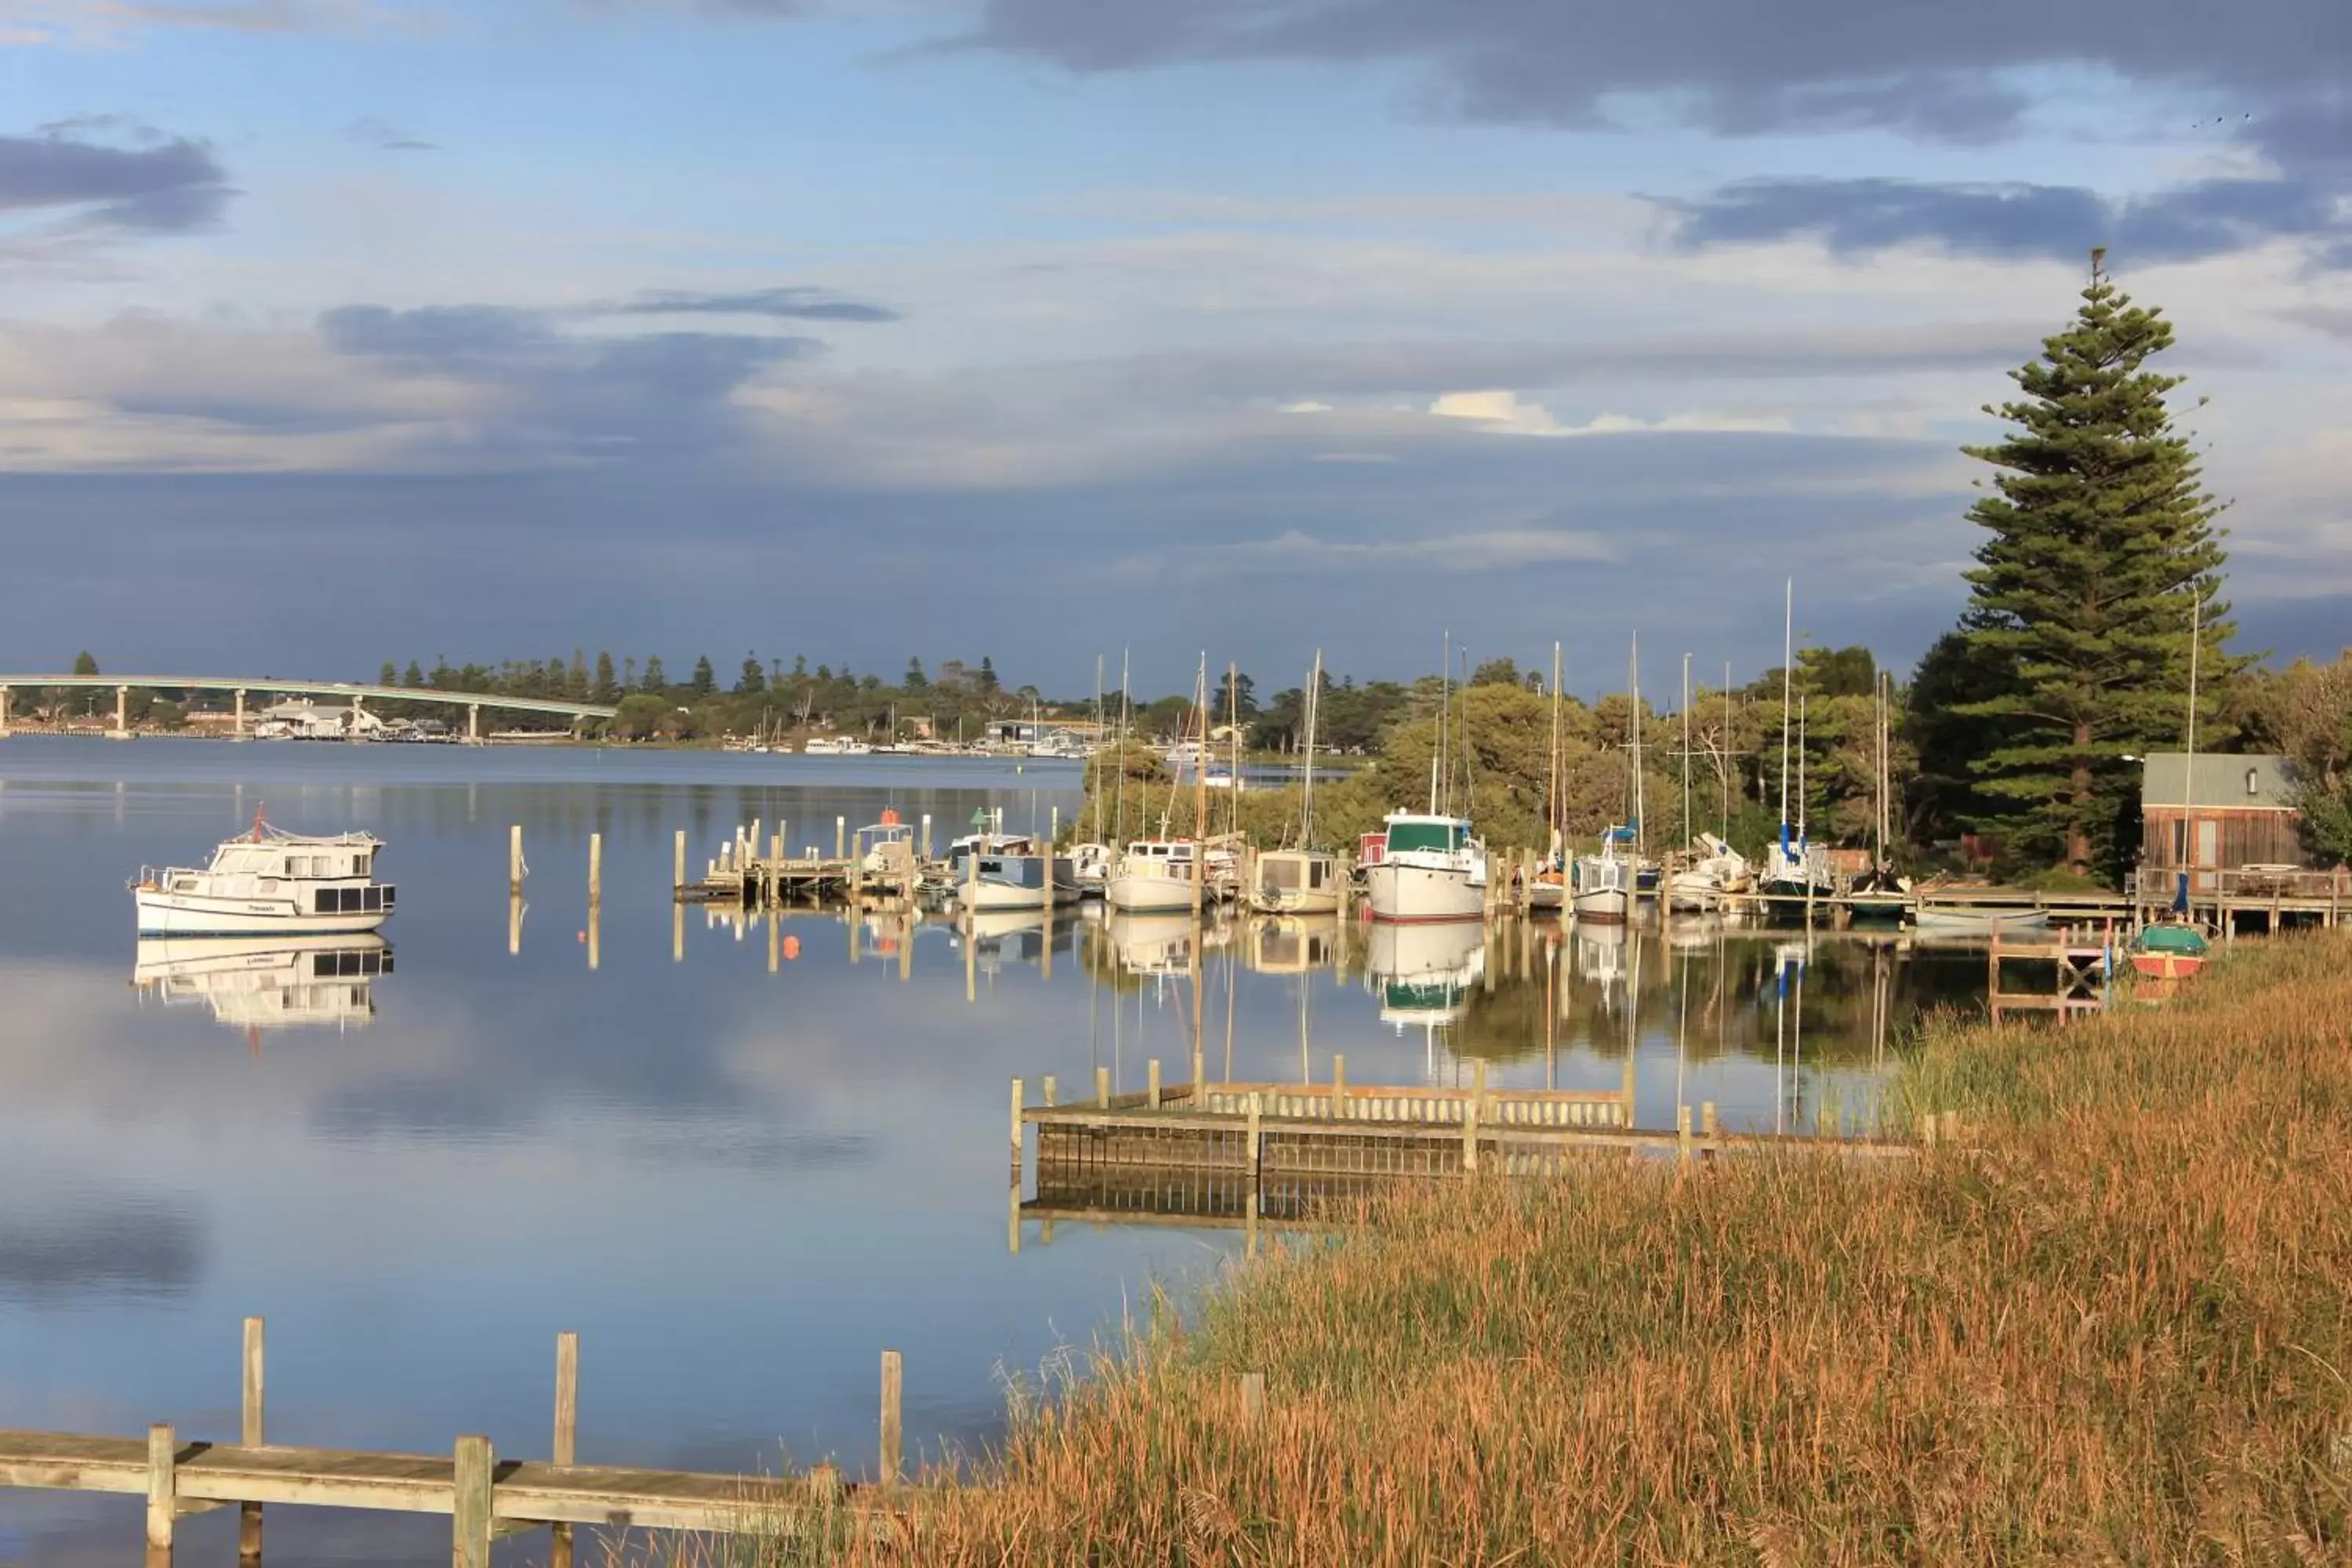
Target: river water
(739, 1185)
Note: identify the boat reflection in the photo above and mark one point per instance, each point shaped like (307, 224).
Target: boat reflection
(1295, 945)
(1424, 975)
(267, 983)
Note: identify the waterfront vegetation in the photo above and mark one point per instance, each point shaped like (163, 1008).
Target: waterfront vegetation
(2109, 1324)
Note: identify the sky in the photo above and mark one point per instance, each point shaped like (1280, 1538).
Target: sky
(339, 330)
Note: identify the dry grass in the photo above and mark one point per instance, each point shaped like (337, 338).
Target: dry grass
(2112, 1330)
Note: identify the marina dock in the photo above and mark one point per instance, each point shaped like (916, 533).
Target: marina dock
(485, 1495)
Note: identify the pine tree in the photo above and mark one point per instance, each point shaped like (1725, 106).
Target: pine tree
(987, 683)
(706, 681)
(2102, 547)
(753, 680)
(607, 689)
(916, 679)
(84, 665)
(413, 676)
(386, 674)
(657, 679)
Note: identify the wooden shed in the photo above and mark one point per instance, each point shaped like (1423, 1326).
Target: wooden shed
(2227, 811)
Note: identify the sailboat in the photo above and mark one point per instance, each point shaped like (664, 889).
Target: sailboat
(1880, 898)
(1607, 882)
(1549, 892)
(1304, 880)
(1430, 867)
(1164, 875)
(1789, 879)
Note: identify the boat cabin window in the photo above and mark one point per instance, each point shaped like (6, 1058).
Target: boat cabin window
(1438, 835)
(360, 865)
(1315, 873)
(353, 900)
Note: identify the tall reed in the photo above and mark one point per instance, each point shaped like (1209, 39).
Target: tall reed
(2108, 1325)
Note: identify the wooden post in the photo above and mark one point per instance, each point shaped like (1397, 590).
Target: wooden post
(1252, 1397)
(162, 1484)
(1016, 1124)
(1683, 1131)
(514, 923)
(891, 1373)
(1339, 1087)
(1477, 1103)
(1152, 1091)
(1257, 1149)
(565, 1450)
(1707, 1118)
(1102, 1089)
(469, 1518)
(678, 934)
(840, 838)
(678, 861)
(249, 1433)
(927, 836)
(595, 869)
(514, 858)
(1052, 1086)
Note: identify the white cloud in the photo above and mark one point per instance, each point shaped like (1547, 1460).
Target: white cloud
(1503, 412)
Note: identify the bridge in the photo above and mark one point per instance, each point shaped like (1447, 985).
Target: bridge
(359, 693)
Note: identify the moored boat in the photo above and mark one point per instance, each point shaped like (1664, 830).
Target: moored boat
(2168, 951)
(1156, 876)
(1430, 868)
(1008, 871)
(1977, 919)
(1297, 882)
(269, 881)
(1603, 891)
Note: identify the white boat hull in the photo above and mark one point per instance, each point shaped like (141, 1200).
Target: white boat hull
(1148, 895)
(1604, 906)
(1297, 902)
(1404, 893)
(197, 915)
(1978, 922)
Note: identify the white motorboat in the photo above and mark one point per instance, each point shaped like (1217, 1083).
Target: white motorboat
(1297, 882)
(1430, 868)
(1008, 871)
(1157, 876)
(1603, 893)
(269, 881)
(1717, 873)
(835, 746)
(267, 983)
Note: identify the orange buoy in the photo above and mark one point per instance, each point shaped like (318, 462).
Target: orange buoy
(792, 947)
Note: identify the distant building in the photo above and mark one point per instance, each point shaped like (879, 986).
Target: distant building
(2228, 812)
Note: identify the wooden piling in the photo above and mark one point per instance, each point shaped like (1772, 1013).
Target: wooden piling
(250, 1433)
(595, 869)
(1102, 1089)
(162, 1484)
(470, 1519)
(841, 838)
(1053, 1096)
(891, 1375)
(1256, 1148)
(1707, 1118)
(1016, 1124)
(1683, 1132)
(678, 861)
(927, 836)
(514, 923)
(1339, 1087)
(565, 1448)
(1152, 1083)
(514, 858)
(1471, 1111)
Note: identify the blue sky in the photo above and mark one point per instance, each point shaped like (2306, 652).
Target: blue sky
(339, 329)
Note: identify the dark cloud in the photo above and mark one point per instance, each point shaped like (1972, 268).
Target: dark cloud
(2207, 218)
(99, 1249)
(167, 186)
(1735, 64)
(439, 337)
(790, 303)
(383, 135)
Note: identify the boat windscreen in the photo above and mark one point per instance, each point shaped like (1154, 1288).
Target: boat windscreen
(1437, 836)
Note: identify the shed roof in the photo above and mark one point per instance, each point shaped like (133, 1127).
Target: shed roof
(2221, 781)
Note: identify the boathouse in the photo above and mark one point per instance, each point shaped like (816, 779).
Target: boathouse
(2226, 813)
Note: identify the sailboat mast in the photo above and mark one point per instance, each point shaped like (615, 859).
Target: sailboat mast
(1788, 636)
(1554, 806)
(1126, 715)
(1800, 768)
(1314, 705)
(1444, 677)
(1878, 743)
(1641, 827)
(1727, 751)
(1099, 741)
(1687, 816)
(1234, 712)
(1201, 759)
(2189, 768)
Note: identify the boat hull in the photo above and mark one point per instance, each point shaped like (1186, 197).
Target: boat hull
(2168, 965)
(197, 915)
(1978, 922)
(1148, 895)
(1295, 901)
(1602, 906)
(997, 890)
(1403, 894)
(1878, 910)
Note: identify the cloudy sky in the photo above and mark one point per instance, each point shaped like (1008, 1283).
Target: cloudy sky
(339, 329)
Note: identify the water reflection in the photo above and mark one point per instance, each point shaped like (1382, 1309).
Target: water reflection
(267, 983)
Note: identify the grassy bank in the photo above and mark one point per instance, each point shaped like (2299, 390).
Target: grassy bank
(2112, 1327)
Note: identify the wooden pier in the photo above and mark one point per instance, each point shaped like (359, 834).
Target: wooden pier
(2085, 962)
(484, 1495)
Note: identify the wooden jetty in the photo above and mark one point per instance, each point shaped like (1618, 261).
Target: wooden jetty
(2085, 962)
(485, 1495)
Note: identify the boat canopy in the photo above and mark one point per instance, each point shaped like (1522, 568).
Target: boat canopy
(1441, 833)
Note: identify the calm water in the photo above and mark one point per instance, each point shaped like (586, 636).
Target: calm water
(738, 1185)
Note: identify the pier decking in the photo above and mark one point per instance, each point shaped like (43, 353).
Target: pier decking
(484, 1495)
